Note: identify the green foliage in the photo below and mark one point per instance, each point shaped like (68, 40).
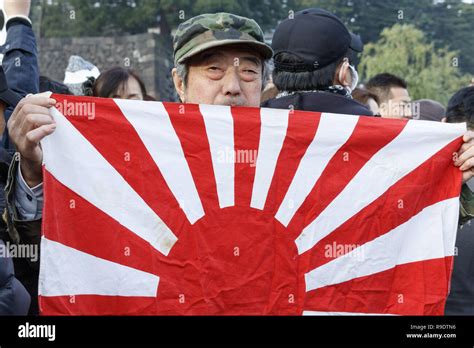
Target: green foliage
(404, 51)
(64, 18)
(94, 18)
(452, 26)
(447, 24)
(369, 17)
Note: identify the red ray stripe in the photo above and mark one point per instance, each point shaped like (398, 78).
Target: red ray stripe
(246, 140)
(97, 305)
(342, 168)
(418, 288)
(73, 221)
(189, 126)
(397, 205)
(107, 239)
(301, 130)
(118, 142)
(119, 305)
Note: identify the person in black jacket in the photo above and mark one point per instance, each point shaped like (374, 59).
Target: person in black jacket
(313, 60)
(14, 299)
(20, 63)
(20, 56)
(461, 297)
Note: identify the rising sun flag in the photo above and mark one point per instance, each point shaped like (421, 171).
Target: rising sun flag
(157, 208)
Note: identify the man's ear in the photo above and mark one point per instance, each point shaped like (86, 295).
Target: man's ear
(444, 119)
(343, 74)
(178, 84)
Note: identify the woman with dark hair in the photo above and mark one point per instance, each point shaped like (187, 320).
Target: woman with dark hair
(119, 83)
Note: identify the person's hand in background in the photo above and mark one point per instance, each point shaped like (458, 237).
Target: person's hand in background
(13, 8)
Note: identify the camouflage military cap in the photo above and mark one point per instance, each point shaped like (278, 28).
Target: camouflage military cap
(202, 32)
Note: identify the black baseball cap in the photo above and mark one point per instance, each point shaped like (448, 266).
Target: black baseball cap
(316, 36)
(7, 95)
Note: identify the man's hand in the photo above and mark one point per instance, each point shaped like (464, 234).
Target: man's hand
(465, 157)
(29, 123)
(13, 8)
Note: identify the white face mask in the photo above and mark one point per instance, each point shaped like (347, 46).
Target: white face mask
(354, 80)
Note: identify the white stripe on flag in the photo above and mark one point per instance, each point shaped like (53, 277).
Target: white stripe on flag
(428, 235)
(153, 125)
(333, 132)
(274, 124)
(76, 165)
(66, 271)
(219, 125)
(418, 142)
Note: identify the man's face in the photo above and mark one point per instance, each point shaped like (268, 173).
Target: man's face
(398, 106)
(222, 76)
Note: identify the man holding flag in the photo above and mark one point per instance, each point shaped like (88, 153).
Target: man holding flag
(220, 59)
(226, 69)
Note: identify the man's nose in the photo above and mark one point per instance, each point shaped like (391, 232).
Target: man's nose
(231, 82)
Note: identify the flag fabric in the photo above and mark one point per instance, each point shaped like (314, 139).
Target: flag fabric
(178, 209)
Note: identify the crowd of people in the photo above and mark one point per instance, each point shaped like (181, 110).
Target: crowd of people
(309, 66)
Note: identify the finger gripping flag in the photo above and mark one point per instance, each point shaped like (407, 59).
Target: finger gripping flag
(177, 209)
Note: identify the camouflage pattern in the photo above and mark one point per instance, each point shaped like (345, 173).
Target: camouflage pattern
(199, 33)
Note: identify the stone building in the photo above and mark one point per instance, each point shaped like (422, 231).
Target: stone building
(149, 54)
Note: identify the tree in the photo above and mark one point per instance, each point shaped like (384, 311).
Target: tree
(369, 17)
(404, 51)
(447, 23)
(73, 18)
(453, 27)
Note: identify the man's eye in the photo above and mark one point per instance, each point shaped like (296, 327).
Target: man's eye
(214, 68)
(250, 71)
